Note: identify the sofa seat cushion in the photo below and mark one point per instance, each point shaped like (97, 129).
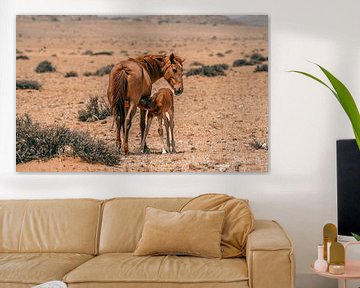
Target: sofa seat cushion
(36, 268)
(127, 268)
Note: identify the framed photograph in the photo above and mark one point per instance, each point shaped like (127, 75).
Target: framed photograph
(165, 93)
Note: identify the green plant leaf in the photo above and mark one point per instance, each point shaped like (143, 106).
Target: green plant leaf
(344, 97)
(347, 102)
(316, 79)
(357, 237)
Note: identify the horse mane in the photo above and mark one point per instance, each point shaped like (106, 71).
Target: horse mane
(156, 64)
(153, 64)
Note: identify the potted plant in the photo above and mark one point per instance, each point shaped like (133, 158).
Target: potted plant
(345, 99)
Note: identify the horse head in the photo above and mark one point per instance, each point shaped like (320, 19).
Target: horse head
(173, 70)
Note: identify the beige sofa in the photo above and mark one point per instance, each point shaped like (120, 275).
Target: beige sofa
(89, 243)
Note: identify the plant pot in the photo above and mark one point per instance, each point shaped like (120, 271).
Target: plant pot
(348, 187)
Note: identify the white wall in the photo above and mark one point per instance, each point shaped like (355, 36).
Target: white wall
(305, 120)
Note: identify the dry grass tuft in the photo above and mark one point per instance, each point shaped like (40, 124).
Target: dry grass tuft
(35, 142)
(94, 110)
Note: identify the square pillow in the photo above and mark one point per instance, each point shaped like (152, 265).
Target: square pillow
(238, 222)
(193, 232)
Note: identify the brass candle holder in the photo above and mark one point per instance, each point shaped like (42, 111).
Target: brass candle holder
(334, 252)
(330, 236)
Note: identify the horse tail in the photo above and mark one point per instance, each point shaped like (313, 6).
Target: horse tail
(117, 103)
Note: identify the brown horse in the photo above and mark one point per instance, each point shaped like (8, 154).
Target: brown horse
(131, 80)
(161, 105)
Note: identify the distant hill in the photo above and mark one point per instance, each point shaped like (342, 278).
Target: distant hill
(253, 20)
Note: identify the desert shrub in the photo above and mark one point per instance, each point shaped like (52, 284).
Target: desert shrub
(54, 19)
(45, 66)
(163, 21)
(35, 142)
(196, 63)
(257, 58)
(87, 52)
(257, 145)
(87, 73)
(261, 68)
(241, 62)
(100, 72)
(209, 71)
(22, 57)
(109, 53)
(27, 84)
(219, 54)
(228, 51)
(104, 70)
(91, 53)
(94, 110)
(71, 74)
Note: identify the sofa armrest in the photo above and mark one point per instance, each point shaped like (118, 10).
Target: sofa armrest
(269, 256)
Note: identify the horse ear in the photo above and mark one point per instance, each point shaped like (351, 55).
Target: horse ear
(172, 58)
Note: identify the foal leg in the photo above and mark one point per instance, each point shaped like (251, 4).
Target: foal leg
(167, 126)
(130, 114)
(146, 132)
(172, 133)
(142, 128)
(161, 134)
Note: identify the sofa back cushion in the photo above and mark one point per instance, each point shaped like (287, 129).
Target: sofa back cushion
(66, 226)
(123, 220)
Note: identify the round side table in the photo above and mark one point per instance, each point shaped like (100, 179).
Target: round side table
(352, 269)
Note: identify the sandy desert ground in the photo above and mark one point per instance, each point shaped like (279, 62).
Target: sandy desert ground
(216, 119)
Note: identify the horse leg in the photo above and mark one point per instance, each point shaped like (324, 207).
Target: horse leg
(142, 128)
(146, 132)
(130, 114)
(161, 134)
(167, 127)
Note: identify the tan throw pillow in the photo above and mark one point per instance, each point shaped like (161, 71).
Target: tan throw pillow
(196, 233)
(239, 220)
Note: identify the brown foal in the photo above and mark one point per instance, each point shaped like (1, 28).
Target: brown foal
(161, 105)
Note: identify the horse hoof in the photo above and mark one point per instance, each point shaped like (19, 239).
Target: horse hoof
(140, 151)
(146, 150)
